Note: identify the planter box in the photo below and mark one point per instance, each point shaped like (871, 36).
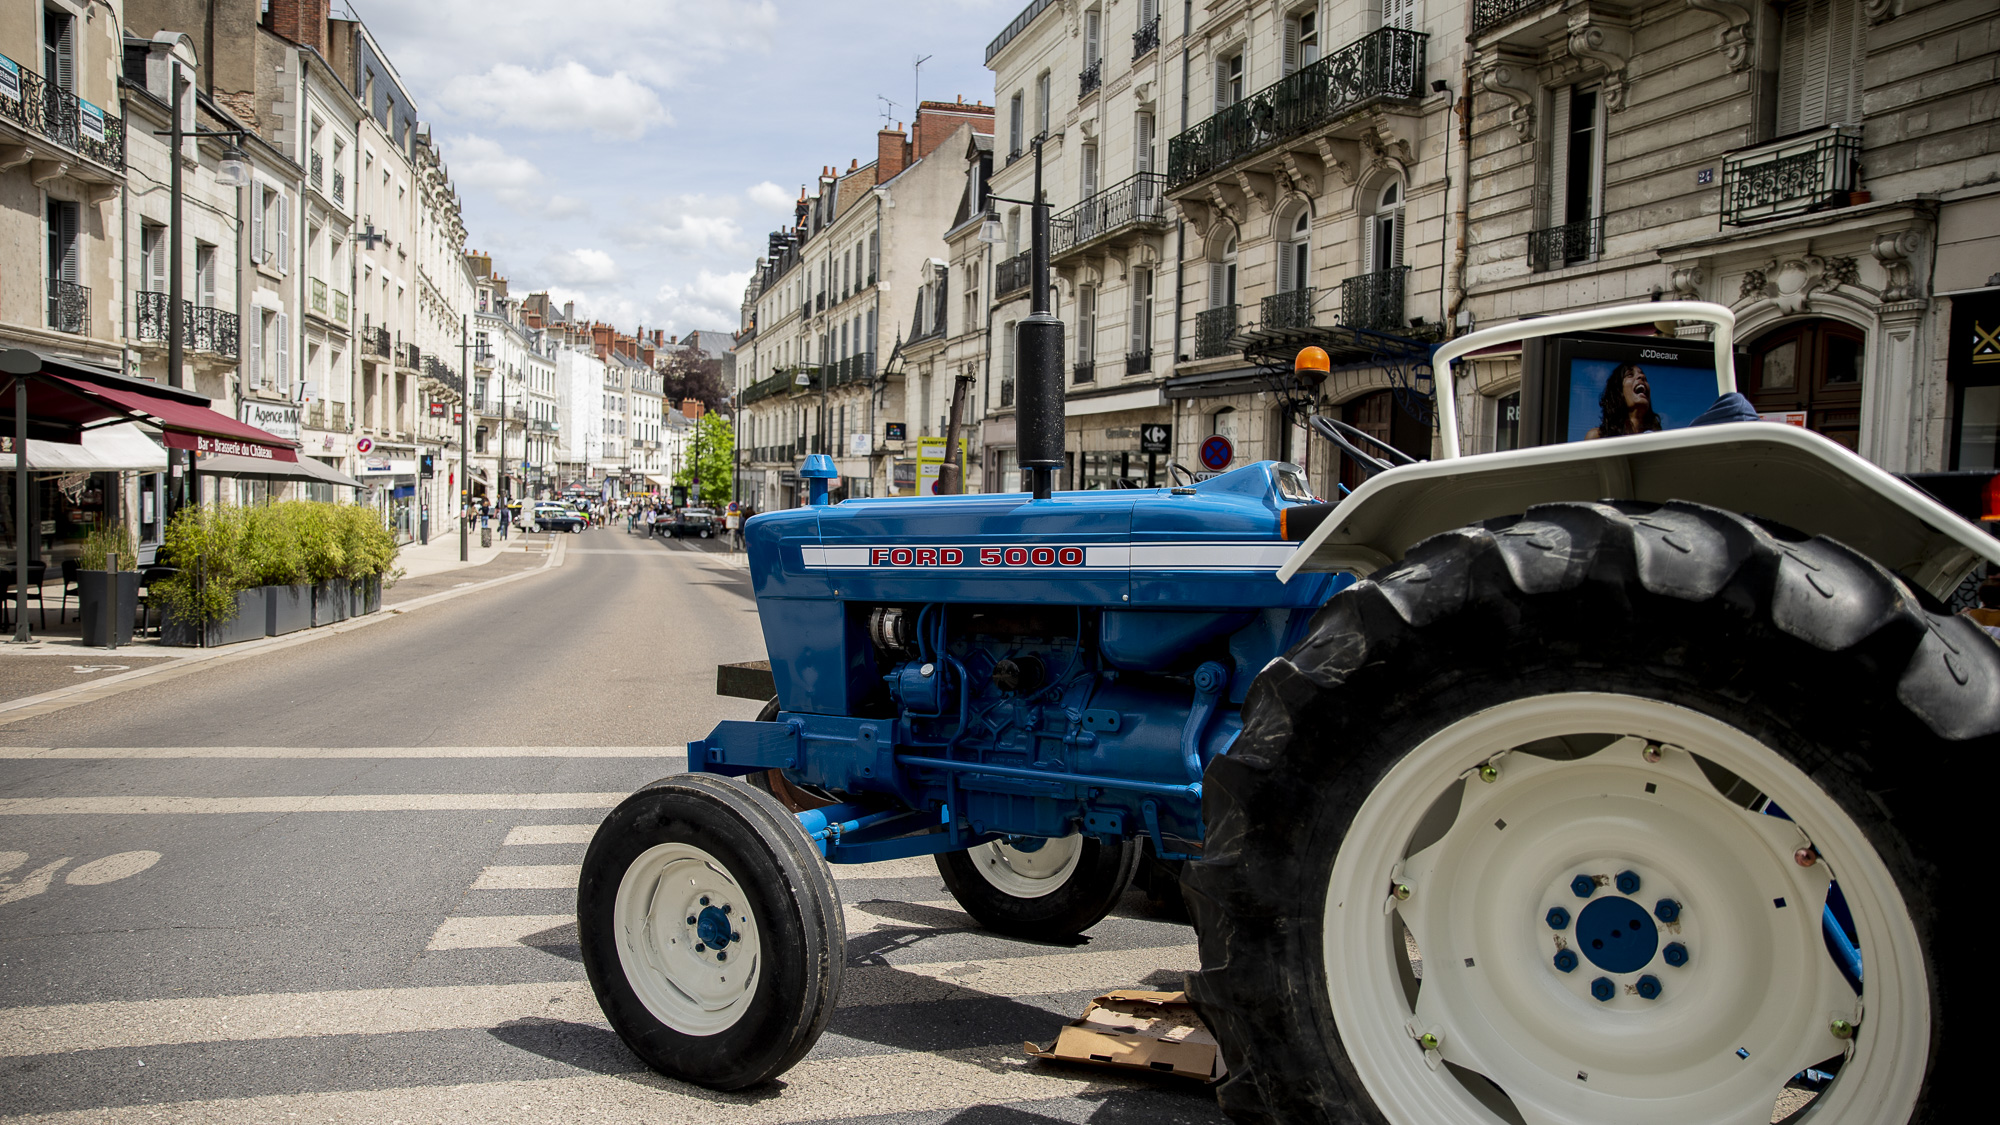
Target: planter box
(246, 624)
(107, 612)
(331, 602)
(287, 609)
(370, 591)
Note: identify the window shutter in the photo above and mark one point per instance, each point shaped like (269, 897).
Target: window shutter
(1399, 13)
(67, 215)
(65, 75)
(1559, 103)
(1847, 48)
(256, 334)
(1091, 49)
(282, 369)
(1216, 285)
(1286, 280)
(1291, 51)
(1089, 171)
(1145, 145)
(204, 267)
(1396, 258)
(257, 226)
(1221, 85)
(1368, 244)
(284, 235)
(155, 245)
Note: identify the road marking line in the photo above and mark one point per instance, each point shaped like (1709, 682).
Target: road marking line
(814, 1090)
(532, 877)
(494, 932)
(60, 1028)
(335, 803)
(676, 753)
(550, 834)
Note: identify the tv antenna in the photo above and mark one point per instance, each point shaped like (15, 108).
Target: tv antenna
(888, 109)
(917, 84)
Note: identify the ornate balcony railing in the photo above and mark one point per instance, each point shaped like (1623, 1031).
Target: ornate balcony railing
(66, 119)
(375, 341)
(1007, 389)
(542, 426)
(1213, 329)
(318, 171)
(1555, 247)
(1809, 172)
(819, 303)
(318, 291)
(339, 188)
(1384, 65)
(1292, 309)
(1012, 274)
(1138, 363)
(1489, 14)
(1146, 39)
(1090, 79)
(69, 307)
(1085, 371)
(518, 412)
(1374, 300)
(410, 356)
(1140, 199)
(765, 388)
(210, 330)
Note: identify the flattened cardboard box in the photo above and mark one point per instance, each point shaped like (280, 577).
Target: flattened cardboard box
(1130, 1029)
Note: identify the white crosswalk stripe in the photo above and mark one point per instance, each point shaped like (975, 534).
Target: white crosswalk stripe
(328, 803)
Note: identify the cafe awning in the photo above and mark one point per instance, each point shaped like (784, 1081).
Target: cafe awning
(66, 399)
(304, 469)
(103, 450)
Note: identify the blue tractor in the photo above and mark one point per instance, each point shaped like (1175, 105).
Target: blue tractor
(1544, 786)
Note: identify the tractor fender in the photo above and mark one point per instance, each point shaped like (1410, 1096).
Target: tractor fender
(1783, 473)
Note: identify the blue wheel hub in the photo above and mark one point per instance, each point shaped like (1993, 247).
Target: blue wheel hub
(1617, 935)
(712, 927)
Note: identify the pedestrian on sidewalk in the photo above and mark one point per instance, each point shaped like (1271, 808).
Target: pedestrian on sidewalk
(506, 520)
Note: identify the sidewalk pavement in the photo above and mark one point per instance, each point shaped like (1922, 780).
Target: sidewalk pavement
(441, 553)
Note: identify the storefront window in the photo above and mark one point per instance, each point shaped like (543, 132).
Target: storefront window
(1114, 469)
(1009, 463)
(1507, 422)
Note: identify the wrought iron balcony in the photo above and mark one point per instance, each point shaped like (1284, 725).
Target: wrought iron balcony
(1145, 39)
(411, 357)
(202, 329)
(318, 171)
(339, 188)
(1138, 363)
(1810, 172)
(1385, 65)
(518, 412)
(819, 303)
(1374, 300)
(1293, 309)
(1014, 273)
(375, 341)
(1489, 14)
(66, 119)
(1007, 389)
(69, 307)
(1555, 247)
(1084, 372)
(1091, 78)
(1213, 329)
(1140, 200)
(765, 388)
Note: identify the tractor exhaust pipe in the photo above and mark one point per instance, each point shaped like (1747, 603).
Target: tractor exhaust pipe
(1038, 354)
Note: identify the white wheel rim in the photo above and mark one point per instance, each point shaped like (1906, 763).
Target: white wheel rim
(674, 966)
(1758, 977)
(1028, 874)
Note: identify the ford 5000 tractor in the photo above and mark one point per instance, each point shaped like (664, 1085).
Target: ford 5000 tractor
(1627, 780)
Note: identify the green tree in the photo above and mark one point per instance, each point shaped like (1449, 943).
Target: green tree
(712, 449)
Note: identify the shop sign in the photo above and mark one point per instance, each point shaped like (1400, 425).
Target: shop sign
(1156, 437)
(280, 419)
(363, 444)
(894, 431)
(1974, 353)
(10, 79)
(437, 409)
(376, 466)
(860, 445)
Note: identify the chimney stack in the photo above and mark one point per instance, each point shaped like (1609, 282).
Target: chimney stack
(889, 153)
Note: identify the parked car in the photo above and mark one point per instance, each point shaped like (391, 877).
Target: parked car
(559, 519)
(699, 523)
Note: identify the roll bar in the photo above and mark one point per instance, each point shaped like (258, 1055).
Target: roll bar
(1447, 393)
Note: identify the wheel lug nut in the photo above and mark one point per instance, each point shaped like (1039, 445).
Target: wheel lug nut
(700, 948)
(1651, 753)
(1842, 1029)
(1428, 1041)
(1489, 773)
(1628, 882)
(726, 908)
(1666, 910)
(1566, 960)
(704, 900)
(1583, 886)
(734, 936)
(1558, 918)
(720, 956)
(1649, 987)
(1403, 892)
(1603, 989)
(1806, 856)
(1675, 954)
(690, 919)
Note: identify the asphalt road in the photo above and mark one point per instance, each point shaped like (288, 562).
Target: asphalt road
(337, 882)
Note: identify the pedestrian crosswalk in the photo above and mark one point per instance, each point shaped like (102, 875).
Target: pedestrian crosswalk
(929, 1029)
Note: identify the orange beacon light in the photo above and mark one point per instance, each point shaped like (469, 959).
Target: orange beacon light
(1312, 359)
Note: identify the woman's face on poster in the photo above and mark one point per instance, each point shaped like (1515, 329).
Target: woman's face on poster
(1638, 392)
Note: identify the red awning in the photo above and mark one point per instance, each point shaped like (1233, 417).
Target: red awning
(187, 426)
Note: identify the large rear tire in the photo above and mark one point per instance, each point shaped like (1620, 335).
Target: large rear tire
(1539, 825)
(1040, 890)
(711, 931)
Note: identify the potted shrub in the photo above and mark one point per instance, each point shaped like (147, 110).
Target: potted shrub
(107, 586)
(275, 559)
(323, 554)
(214, 599)
(370, 551)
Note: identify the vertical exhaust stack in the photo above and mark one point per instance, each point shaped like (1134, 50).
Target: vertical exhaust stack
(1038, 353)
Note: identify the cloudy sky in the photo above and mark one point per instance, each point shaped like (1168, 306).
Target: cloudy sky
(631, 155)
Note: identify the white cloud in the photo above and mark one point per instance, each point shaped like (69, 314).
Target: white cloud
(771, 197)
(563, 98)
(712, 300)
(581, 266)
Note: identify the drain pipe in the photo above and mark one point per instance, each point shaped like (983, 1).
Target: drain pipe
(1462, 110)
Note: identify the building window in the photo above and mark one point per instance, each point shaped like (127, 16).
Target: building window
(1811, 372)
(204, 274)
(1088, 159)
(1576, 163)
(69, 305)
(1016, 126)
(1086, 333)
(1383, 246)
(1507, 422)
(1820, 49)
(1224, 424)
(1399, 13)
(1042, 105)
(1301, 40)
(59, 49)
(1222, 277)
(1093, 38)
(1142, 313)
(1229, 80)
(1295, 253)
(153, 258)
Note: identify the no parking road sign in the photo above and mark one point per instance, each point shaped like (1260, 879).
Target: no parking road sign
(1216, 453)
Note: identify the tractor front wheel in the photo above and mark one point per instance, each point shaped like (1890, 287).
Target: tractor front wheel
(1609, 812)
(711, 931)
(1041, 890)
